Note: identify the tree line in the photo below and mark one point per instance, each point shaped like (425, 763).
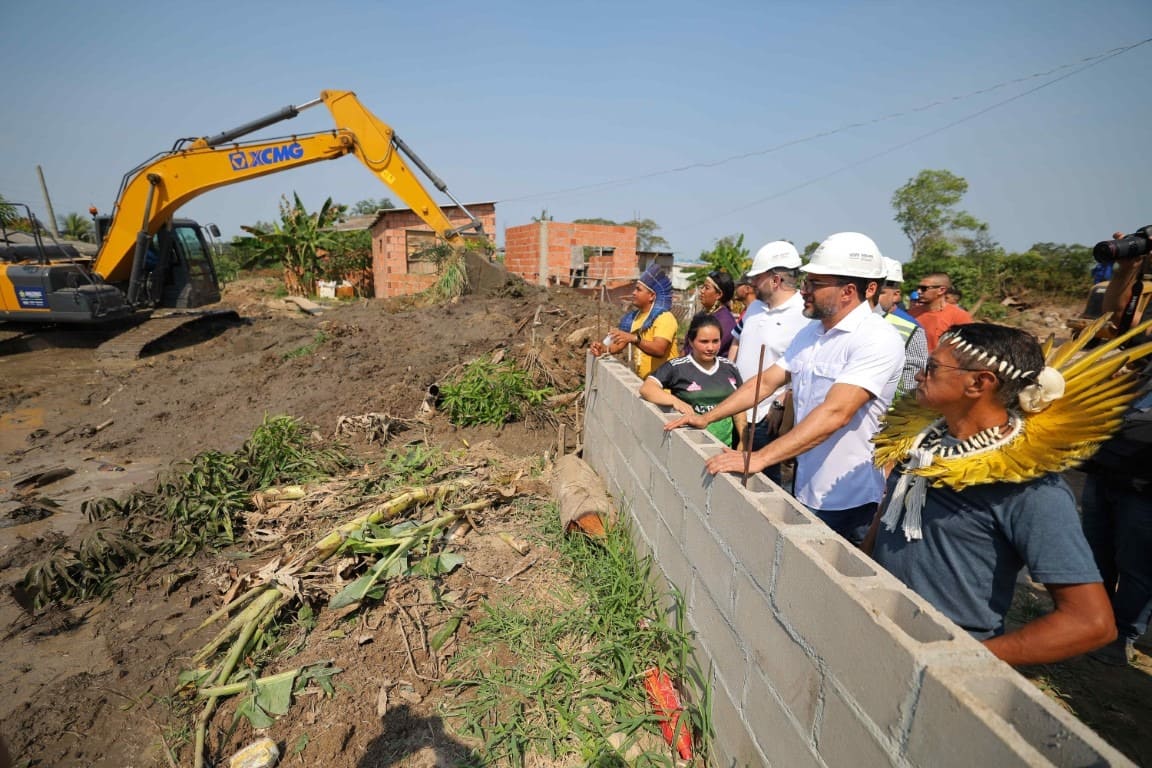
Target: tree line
(941, 235)
(945, 238)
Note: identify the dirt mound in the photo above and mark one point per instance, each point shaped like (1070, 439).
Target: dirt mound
(102, 672)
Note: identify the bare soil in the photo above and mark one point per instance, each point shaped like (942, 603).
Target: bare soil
(92, 685)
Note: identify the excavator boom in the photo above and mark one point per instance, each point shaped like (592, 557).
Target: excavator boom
(155, 191)
(149, 259)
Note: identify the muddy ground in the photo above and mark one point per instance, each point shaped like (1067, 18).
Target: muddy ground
(91, 686)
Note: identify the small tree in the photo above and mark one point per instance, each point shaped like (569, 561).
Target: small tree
(728, 255)
(368, 206)
(926, 211)
(646, 237)
(294, 242)
(77, 227)
(7, 212)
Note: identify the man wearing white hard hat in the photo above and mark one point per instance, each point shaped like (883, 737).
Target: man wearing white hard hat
(771, 322)
(844, 371)
(886, 303)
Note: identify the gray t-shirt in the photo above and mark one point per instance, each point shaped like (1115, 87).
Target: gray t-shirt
(976, 541)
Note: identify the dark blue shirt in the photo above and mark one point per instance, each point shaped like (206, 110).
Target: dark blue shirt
(976, 541)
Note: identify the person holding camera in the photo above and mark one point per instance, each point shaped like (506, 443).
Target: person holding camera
(1117, 498)
(1127, 294)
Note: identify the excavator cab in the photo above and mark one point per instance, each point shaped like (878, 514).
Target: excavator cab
(48, 282)
(178, 270)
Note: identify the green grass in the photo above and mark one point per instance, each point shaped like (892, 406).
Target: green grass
(317, 341)
(557, 676)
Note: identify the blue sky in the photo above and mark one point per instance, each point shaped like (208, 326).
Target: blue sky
(586, 109)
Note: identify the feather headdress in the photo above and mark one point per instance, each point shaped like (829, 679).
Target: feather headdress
(660, 285)
(1098, 388)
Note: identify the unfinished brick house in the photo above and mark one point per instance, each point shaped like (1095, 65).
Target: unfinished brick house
(401, 239)
(581, 255)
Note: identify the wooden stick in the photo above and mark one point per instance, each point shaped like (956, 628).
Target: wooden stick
(748, 442)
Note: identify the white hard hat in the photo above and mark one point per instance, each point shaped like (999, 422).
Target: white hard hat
(778, 254)
(893, 271)
(847, 254)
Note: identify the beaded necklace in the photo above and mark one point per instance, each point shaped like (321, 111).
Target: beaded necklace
(911, 490)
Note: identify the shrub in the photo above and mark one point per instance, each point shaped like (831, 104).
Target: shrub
(488, 392)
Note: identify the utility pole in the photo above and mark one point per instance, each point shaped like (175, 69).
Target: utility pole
(47, 204)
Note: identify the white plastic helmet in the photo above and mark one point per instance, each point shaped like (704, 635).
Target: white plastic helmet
(778, 254)
(847, 254)
(893, 271)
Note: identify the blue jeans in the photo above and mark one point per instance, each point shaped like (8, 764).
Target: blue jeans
(851, 523)
(1118, 525)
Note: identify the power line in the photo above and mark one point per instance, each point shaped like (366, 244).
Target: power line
(1092, 62)
(1081, 65)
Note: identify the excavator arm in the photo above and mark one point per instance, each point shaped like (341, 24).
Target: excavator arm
(152, 193)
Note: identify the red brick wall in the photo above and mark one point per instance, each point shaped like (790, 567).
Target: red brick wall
(522, 251)
(389, 254)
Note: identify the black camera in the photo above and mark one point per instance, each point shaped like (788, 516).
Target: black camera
(1131, 246)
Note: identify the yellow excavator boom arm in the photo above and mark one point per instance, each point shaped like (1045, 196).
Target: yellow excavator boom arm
(155, 191)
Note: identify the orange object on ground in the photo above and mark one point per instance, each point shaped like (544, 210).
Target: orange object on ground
(666, 701)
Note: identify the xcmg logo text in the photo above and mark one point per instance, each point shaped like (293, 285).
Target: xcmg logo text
(243, 159)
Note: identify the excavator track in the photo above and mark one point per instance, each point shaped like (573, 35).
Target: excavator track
(131, 344)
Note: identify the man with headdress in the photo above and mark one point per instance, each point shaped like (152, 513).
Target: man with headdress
(650, 328)
(974, 495)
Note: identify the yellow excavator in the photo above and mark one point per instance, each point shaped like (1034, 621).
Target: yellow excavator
(147, 259)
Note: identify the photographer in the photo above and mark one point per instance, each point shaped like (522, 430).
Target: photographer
(1117, 497)
(1126, 296)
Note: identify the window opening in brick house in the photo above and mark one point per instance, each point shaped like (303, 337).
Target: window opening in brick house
(580, 274)
(420, 249)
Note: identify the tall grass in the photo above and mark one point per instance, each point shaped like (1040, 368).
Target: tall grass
(559, 677)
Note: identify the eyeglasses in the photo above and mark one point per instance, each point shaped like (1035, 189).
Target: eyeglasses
(931, 365)
(809, 286)
(928, 287)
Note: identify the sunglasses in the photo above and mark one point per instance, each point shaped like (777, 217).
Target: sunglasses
(931, 366)
(812, 285)
(928, 287)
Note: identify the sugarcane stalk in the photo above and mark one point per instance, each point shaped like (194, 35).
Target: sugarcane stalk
(232, 689)
(249, 614)
(224, 610)
(226, 670)
(331, 543)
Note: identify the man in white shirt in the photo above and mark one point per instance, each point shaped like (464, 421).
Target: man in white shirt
(771, 322)
(844, 370)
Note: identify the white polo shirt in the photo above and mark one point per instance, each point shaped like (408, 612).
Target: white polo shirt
(772, 327)
(864, 350)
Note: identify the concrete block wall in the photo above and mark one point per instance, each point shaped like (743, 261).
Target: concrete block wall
(819, 657)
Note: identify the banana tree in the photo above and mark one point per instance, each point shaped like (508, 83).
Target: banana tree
(295, 241)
